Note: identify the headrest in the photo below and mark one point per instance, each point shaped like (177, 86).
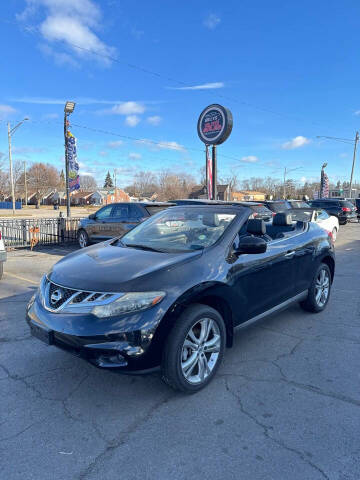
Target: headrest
(282, 219)
(256, 226)
(210, 220)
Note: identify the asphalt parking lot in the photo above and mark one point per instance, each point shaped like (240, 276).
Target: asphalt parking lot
(284, 405)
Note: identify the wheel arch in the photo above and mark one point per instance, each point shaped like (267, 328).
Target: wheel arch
(213, 294)
(330, 262)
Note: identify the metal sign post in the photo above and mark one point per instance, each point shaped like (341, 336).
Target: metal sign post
(214, 170)
(214, 127)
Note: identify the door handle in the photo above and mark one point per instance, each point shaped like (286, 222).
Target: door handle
(290, 254)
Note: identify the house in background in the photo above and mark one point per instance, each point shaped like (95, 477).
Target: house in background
(200, 192)
(247, 195)
(115, 195)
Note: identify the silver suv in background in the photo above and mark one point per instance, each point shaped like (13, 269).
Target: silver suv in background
(115, 220)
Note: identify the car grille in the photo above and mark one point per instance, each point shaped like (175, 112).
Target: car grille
(58, 292)
(59, 298)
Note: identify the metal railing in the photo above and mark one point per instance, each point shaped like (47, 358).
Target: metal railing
(45, 231)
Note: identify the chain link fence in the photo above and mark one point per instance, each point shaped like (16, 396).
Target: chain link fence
(45, 231)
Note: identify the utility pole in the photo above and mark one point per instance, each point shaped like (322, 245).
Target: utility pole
(114, 175)
(353, 163)
(352, 142)
(10, 133)
(11, 171)
(286, 171)
(25, 181)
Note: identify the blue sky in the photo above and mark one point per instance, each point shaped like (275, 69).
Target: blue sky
(288, 71)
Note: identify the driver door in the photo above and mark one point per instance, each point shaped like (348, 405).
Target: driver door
(263, 281)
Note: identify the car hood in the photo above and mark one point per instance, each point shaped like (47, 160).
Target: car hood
(109, 268)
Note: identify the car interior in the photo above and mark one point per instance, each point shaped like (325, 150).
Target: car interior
(282, 226)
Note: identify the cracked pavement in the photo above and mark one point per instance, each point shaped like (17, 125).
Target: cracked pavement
(285, 403)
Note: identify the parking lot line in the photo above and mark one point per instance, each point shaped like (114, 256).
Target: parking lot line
(21, 278)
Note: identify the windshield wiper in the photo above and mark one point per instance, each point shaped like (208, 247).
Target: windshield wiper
(143, 247)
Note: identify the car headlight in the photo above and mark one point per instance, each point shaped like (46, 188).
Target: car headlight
(128, 303)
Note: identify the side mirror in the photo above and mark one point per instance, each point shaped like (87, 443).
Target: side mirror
(251, 244)
(92, 216)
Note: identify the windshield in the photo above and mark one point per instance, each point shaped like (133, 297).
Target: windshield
(302, 215)
(279, 206)
(180, 229)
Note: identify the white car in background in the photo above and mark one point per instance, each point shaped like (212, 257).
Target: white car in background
(2, 255)
(319, 216)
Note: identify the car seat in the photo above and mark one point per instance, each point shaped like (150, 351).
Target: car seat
(282, 223)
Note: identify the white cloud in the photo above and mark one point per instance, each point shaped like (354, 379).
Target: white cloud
(357, 112)
(128, 108)
(83, 173)
(132, 120)
(134, 156)
(73, 23)
(103, 153)
(212, 21)
(116, 144)
(296, 142)
(250, 159)
(160, 145)
(155, 120)
(204, 86)
(60, 58)
(6, 110)
(343, 155)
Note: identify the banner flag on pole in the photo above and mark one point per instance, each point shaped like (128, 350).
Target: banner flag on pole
(209, 173)
(324, 187)
(71, 154)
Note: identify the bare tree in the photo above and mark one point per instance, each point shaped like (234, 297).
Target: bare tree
(4, 178)
(231, 180)
(174, 185)
(145, 182)
(87, 183)
(42, 178)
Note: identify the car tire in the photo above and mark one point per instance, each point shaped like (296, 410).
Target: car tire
(334, 234)
(319, 291)
(194, 349)
(83, 239)
(343, 222)
(1, 269)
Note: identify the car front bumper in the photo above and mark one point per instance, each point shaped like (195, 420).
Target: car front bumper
(124, 343)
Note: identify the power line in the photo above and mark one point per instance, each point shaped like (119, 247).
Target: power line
(36, 30)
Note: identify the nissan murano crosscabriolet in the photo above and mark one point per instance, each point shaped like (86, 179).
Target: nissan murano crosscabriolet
(170, 293)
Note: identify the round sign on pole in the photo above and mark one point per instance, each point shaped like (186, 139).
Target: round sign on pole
(215, 124)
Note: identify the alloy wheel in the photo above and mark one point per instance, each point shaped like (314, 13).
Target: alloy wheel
(82, 240)
(322, 287)
(200, 351)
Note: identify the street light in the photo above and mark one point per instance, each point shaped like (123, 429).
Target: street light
(11, 131)
(68, 109)
(352, 142)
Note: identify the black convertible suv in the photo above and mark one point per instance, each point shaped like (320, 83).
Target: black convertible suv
(171, 292)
